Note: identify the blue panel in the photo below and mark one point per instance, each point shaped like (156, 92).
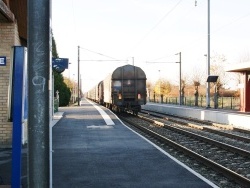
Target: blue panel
(61, 62)
(17, 101)
(25, 90)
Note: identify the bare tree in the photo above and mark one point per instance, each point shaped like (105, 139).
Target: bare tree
(197, 78)
(218, 68)
(198, 75)
(245, 57)
(162, 88)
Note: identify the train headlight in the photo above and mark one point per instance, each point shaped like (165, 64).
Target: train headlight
(120, 96)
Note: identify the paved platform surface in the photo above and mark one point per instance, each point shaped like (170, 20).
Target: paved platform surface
(6, 158)
(93, 150)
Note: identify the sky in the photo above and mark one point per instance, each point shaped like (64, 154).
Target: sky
(112, 33)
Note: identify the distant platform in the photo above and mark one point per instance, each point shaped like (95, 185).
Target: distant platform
(229, 117)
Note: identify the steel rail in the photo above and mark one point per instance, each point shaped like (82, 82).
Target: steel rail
(229, 135)
(242, 130)
(203, 138)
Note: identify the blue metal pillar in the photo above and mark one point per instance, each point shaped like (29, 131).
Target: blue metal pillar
(18, 104)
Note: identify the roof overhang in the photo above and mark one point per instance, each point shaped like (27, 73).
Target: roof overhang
(239, 67)
(5, 13)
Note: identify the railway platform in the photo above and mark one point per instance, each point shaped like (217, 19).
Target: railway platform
(93, 148)
(6, 157)
(221, 116)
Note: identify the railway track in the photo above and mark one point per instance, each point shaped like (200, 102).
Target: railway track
(231, 161)
(225, 131)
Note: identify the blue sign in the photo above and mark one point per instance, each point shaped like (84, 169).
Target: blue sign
(60, 64)
(2, 61)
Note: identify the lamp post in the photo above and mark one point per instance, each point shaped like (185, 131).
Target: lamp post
(69, 70)
(160, 86)
(73, 90)
(180, 93)
(208, 54)
(78, 77)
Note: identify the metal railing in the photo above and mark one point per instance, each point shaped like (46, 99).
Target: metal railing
(232, 103)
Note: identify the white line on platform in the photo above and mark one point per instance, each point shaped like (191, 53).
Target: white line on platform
(100, 127)
(104, 115)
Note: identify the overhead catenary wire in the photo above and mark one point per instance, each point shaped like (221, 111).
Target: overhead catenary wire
(160, 62)
(105, 60)
(75, 31)
(203, 37)
(74, 22)
(161, 20)
(165, 56)
(170, 26)
(232, 22)
(156, 25)
(114, 59)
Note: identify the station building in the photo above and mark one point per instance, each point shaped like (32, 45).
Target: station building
(244, 69)
(13, 32)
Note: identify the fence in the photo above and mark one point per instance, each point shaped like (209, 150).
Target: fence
(56, 104)
(232, 103)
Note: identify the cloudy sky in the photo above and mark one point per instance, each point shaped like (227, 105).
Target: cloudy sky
(142, 31)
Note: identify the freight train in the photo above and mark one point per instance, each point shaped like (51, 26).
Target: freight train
(122, 90)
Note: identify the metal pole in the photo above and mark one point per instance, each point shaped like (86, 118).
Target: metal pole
(78, 89)
(73, 92)
(50, 128)
(80, 83)
(208, 54)
(160, 86)
(39, 58)
(180, 81)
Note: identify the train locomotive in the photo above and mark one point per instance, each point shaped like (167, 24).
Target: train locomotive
(123, 90)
